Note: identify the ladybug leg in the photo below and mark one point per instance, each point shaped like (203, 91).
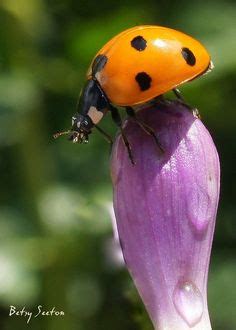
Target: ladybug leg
(107, 137)
(117, 119)
(145, 127)
(178, 95)
(180, 98)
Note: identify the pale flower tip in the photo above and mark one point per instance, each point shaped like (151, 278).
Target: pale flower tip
(165, 208)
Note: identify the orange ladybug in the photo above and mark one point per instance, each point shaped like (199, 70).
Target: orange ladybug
(134, 67)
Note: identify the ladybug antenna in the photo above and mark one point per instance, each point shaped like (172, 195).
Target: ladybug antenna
(57, 135)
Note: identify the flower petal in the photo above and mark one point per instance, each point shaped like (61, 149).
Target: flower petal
(165, 207)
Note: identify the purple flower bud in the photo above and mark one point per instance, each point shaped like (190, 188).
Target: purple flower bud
(165, 208)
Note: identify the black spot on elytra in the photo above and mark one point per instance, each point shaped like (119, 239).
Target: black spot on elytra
(188, 56)
(98, 64)
(144, 80)
(139, 43)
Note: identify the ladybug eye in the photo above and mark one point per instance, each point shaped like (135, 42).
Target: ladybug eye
(188, 56)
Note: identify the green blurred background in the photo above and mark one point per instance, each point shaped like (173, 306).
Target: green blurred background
(56, 245)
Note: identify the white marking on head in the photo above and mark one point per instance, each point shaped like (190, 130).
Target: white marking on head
(95, 115)
(73, 119)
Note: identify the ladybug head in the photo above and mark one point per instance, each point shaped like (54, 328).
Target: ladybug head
(80, 130)
(91, 108)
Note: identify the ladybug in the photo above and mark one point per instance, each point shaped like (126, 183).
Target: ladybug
(136, 66)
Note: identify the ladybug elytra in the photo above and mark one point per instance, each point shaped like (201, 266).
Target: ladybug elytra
(134, 67)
